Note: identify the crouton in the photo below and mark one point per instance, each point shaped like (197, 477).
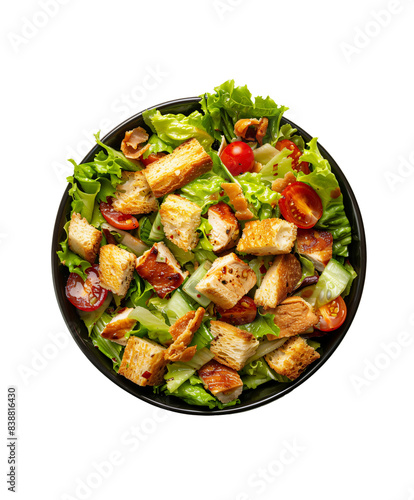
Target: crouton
(223, 382)
(83, 239)
(143, 362)
(134, 195)
(292, 357)
(160, 268)
(238, 200)
(180, 219)
(119, 325)
(227, 281)
(116, 268)
(316, 246)
(225, 227)
(293, 316)
(267, 237)
(279, 280)
(231, 346)
(177, 169)
(182, 331)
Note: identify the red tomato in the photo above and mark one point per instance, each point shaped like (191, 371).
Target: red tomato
(116, 219)
(243, 312)
(238, 157)
(152, 157)
(295, 155)
(86, 295)
(301, 205)
(331, 315)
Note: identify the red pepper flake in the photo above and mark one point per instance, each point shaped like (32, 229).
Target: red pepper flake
(146, 375)
(262, 269)
(221, 193)
(198, 295)
(158, 227)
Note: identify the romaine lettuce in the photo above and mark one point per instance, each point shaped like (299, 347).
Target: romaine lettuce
(175, 129)
(70, 259)
(262, 325)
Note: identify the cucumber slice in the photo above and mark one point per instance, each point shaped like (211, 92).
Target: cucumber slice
(190, 285)
(331, 284)
(157, 231)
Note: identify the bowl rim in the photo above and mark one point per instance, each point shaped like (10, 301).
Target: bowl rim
(113, 376)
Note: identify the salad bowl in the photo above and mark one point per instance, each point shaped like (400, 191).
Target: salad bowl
(250, 399)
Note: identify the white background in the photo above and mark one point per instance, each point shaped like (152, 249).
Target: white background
(87, 66)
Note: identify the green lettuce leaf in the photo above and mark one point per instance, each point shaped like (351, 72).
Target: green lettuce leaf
(139, 292)
(149, 323)
(256, 192)
(229, 103)
(288, 132)
(175, 129)
(262, 325)
(313, 156)
(258, 372)
(157, 146)
(203, 230)
(352, 272)
(204, 191)
(113, 160)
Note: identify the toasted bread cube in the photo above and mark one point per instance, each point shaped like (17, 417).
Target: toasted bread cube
(225, 228)
(182, 331)
(267, 237)
(231, 346)
(280, 280)
(160, 268)
(177, 169)
(293, 316)
(143, 362)
(119, 325)
(223, 382)
(316, 246)
(116, 268)
(134, 196)
(292, 357)
(227, 281)
(83, 239)
(180, 219)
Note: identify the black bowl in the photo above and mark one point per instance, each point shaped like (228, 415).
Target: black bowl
(249, 399)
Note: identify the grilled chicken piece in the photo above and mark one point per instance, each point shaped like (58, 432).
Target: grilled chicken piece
(316, 246)
(225, 227)
(119, 325)
(238, 200)
(159, 267)
(223, 382)
(182, 331)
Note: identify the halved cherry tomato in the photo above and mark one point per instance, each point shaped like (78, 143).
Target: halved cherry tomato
(238, 157)
(294, 155)
(116, 219)
(242, 313)
(331, 315)
(86, 295)
(301, 205)
(151, 158)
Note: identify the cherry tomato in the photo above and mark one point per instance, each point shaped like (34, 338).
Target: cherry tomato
(86, 295)
(301, 205)
(243, 312)
(116, 219)
(294, 155)
(238, 157)
(152, 157)
(331, 315)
